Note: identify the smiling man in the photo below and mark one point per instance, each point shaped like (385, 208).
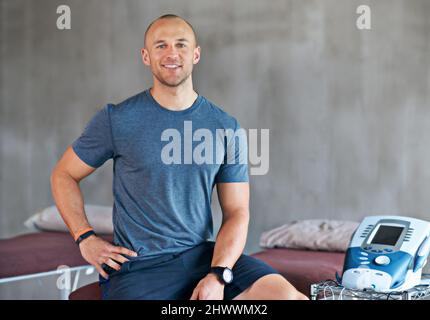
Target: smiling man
(162, 212)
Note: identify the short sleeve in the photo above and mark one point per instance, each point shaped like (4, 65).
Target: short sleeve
(95, 145)
(235, 165)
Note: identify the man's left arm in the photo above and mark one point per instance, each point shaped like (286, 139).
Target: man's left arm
(231, 238)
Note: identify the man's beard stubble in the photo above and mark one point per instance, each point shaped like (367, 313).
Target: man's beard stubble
(172, 85)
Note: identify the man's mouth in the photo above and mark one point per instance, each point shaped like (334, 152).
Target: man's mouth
(171, 66)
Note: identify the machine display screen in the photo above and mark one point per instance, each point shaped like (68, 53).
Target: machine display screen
(387, 235)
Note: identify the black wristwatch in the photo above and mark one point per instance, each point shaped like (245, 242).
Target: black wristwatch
(225, 275)
(84, 236)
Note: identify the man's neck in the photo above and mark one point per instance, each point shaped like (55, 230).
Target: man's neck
(174, 98)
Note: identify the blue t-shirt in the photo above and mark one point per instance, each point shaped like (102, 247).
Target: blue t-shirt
(163, 177)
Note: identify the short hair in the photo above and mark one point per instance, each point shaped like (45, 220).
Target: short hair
(170, 16)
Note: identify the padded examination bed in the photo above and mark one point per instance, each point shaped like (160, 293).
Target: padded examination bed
(39, 252)
(303, 267)
(46, 251)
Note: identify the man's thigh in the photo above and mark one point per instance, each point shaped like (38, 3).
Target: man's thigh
(163, 281)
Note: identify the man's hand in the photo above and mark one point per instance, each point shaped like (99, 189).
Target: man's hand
(97, 251)
(209, 288)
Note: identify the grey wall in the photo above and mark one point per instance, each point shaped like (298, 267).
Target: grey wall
(348, 110)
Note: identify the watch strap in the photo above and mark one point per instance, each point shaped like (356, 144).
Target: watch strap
(84, 236)
(219, 272)
(217, 269)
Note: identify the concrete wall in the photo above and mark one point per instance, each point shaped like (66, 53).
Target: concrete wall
(348, 110)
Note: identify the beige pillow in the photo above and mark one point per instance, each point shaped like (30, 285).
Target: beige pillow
(318, 234)
(49, 219)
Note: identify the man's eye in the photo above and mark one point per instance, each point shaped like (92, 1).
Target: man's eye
(161, 46)
(181, 45)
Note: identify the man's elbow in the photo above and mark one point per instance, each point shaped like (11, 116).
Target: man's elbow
(58, 174)
(241, 214)
(55, 176)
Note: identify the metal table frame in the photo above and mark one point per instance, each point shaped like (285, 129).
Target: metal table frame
(64, 272)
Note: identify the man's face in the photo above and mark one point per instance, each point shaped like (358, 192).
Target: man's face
(170, 51)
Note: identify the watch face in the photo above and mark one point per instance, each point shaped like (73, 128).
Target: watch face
(227, 275)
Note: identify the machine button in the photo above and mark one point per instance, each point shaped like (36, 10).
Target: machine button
(389, 250)
(364, 253)
(382, 260)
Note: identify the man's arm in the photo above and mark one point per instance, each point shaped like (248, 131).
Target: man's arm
(65, 178)
(231, 238)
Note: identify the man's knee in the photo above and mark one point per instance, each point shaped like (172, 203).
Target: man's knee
(284, 290)
(293, 294)
(272, 287)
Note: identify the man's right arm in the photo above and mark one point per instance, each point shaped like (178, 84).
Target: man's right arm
(65, 178)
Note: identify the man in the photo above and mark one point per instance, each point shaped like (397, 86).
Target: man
(162, 215)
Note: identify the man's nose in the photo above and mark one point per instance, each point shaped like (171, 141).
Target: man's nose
(172, 52)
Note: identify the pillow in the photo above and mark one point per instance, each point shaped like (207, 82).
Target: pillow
(324, 235)
(49, 219)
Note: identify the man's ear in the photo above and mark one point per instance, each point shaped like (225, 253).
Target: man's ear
(196, 57)
(145, 56)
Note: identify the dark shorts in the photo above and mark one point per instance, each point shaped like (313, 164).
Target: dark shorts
(174, 276)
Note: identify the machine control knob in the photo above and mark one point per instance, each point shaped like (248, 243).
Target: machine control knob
(382, 260)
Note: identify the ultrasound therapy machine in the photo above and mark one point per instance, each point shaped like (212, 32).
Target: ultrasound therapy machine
(387, 254)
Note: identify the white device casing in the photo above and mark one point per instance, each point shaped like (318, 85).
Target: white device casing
(416, 242)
